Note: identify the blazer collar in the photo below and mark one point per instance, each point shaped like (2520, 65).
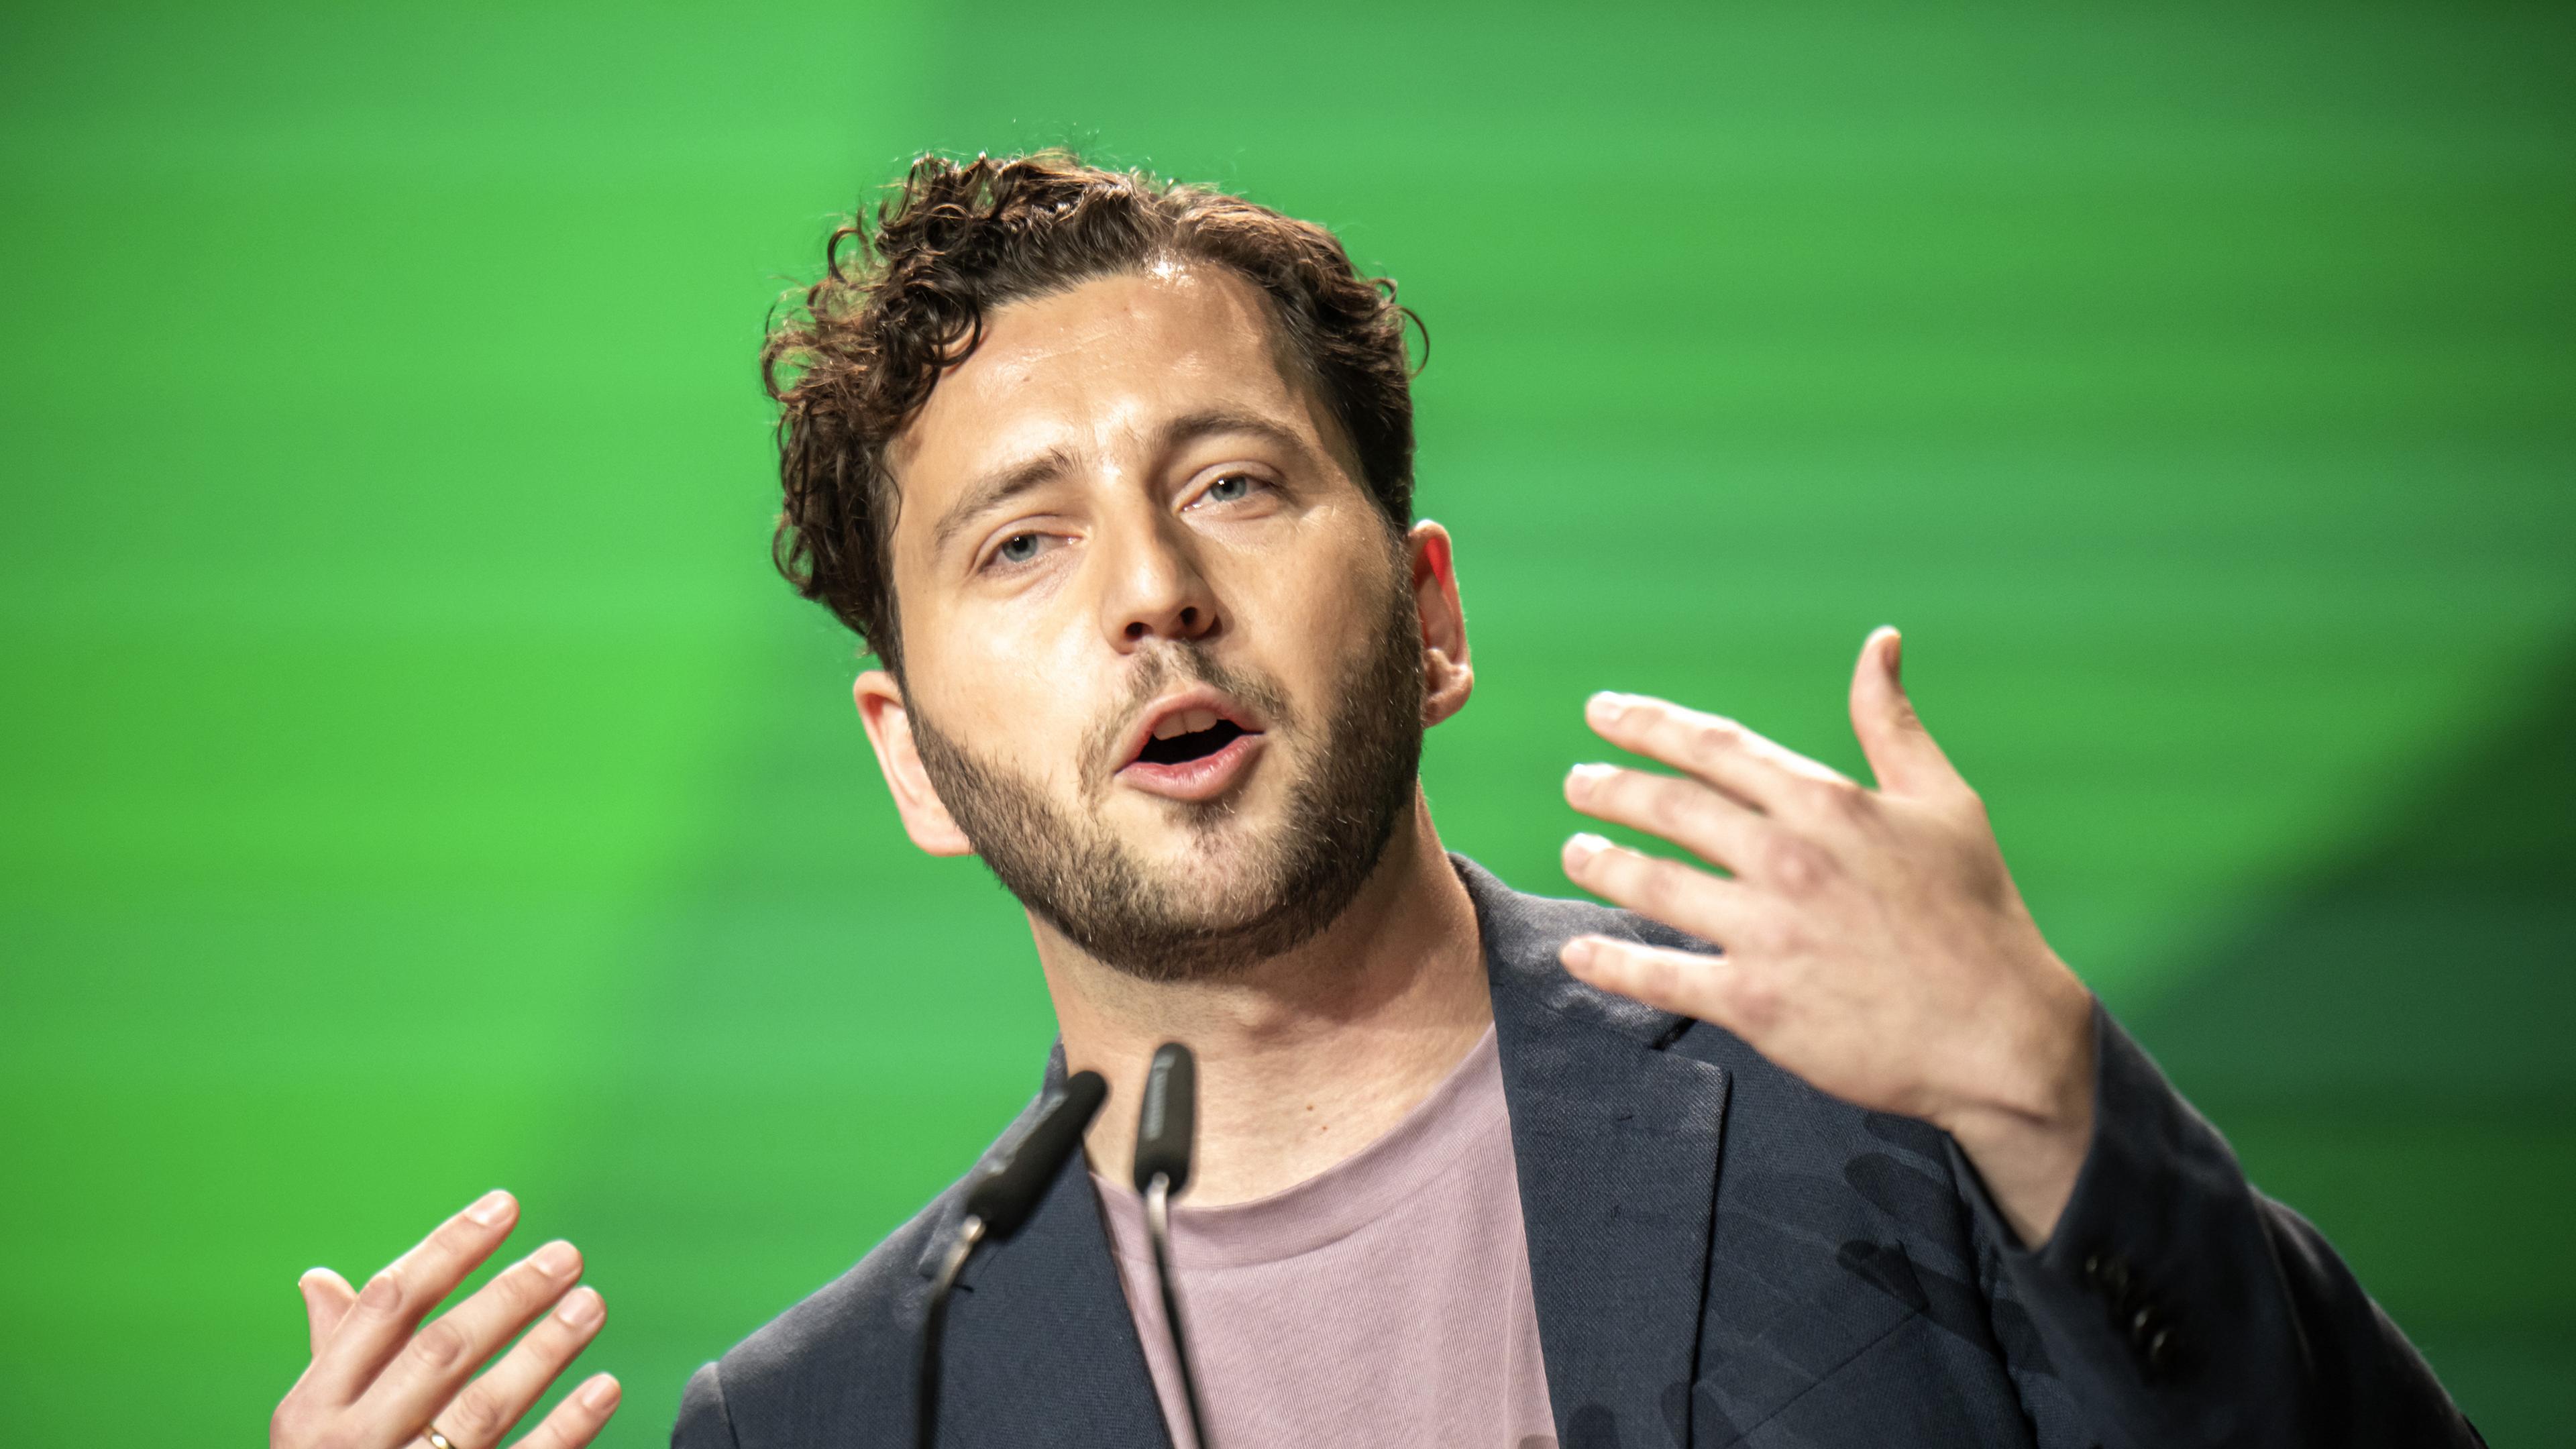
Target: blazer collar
(1041, 1349)
(952, 1204)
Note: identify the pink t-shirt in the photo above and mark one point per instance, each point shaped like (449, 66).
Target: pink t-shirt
(1384, 1301)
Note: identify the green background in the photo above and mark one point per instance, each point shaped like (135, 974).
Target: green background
(416, 781)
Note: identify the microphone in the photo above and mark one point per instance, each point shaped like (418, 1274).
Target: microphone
(996, 1207)
(1003, 1198)
(1166, 1131)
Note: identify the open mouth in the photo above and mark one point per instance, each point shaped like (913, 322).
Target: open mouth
(1193, 747)
(1190, 744)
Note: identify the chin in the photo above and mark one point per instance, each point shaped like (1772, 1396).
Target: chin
(1227, 870)
(1227, 857)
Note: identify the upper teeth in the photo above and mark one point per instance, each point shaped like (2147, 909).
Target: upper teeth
(1185, 722)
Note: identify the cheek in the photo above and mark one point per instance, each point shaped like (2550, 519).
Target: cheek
(1025, 696)
(1310, 618)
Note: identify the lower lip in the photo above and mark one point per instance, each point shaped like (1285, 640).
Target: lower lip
(1204, 778)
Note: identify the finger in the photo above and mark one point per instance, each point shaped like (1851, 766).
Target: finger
(577, 1420)
(444, 1354)
(484, 1411)
(1901, 752)
(398, 1297)
(1716, 827)
(327, 1298)
(1718, 751)
(1666, 890)
(1710, 988)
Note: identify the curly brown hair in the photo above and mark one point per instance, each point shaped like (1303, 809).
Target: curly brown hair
(854, 357)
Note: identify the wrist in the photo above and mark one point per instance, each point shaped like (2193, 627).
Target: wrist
(2027, 1123)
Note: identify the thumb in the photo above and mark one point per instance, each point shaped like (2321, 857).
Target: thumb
(327, 1300)
(1900, 751)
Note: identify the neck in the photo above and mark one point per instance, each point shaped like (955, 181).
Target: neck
(1303, 1059)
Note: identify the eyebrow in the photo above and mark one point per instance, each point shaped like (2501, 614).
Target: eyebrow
(1029, 474)
(997, 489)
(1213, 422)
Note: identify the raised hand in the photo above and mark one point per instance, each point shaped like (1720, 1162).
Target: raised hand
(374, 1383)
(1872, 941)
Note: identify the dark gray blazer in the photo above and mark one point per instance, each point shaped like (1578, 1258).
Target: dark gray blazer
(1721, 1255)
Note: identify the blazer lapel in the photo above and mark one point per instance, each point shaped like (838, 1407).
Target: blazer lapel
(1616, 1141)
(1041, 1348)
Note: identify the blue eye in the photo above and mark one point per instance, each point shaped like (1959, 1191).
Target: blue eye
(1229, 488)
(1018, 548)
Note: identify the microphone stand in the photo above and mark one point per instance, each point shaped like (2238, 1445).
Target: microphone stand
(1158, 1230)
(934, 1329)
(1166, 1129)
(996, 1206)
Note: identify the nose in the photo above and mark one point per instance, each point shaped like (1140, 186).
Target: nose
(1154, 586)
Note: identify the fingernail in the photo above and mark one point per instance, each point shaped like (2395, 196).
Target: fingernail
(1580, 780)
(1606, 707)
(601, 1393)
(491, 1208)
(1895, 653)
(1583, 845)
(555, 1259)
(1576, 955)
(580, 1307)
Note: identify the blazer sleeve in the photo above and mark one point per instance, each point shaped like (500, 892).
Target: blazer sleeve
(703, 1422)
(2181, 1307)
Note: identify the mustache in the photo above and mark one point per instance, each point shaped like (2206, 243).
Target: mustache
(1165, 665)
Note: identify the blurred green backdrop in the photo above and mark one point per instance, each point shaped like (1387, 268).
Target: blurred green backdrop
(416, 780)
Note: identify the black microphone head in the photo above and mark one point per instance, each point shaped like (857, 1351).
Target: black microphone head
(1005, 1196)
(1167, 1122)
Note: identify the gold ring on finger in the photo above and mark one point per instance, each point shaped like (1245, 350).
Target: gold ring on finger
(436, 1439)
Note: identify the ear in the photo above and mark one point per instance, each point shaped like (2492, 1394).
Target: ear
(889, 724)
(1447, 676)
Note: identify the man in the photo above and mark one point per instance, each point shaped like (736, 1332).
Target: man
(1821, 1145)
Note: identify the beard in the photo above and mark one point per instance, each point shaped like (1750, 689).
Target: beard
(1286, 885)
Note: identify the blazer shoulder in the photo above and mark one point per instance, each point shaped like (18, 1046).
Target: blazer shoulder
(844, 1354)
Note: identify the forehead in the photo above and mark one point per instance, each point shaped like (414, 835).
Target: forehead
(1088, 369)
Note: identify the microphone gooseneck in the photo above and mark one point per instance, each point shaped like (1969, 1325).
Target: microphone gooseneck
(997, 1205)
(1166, 1134)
